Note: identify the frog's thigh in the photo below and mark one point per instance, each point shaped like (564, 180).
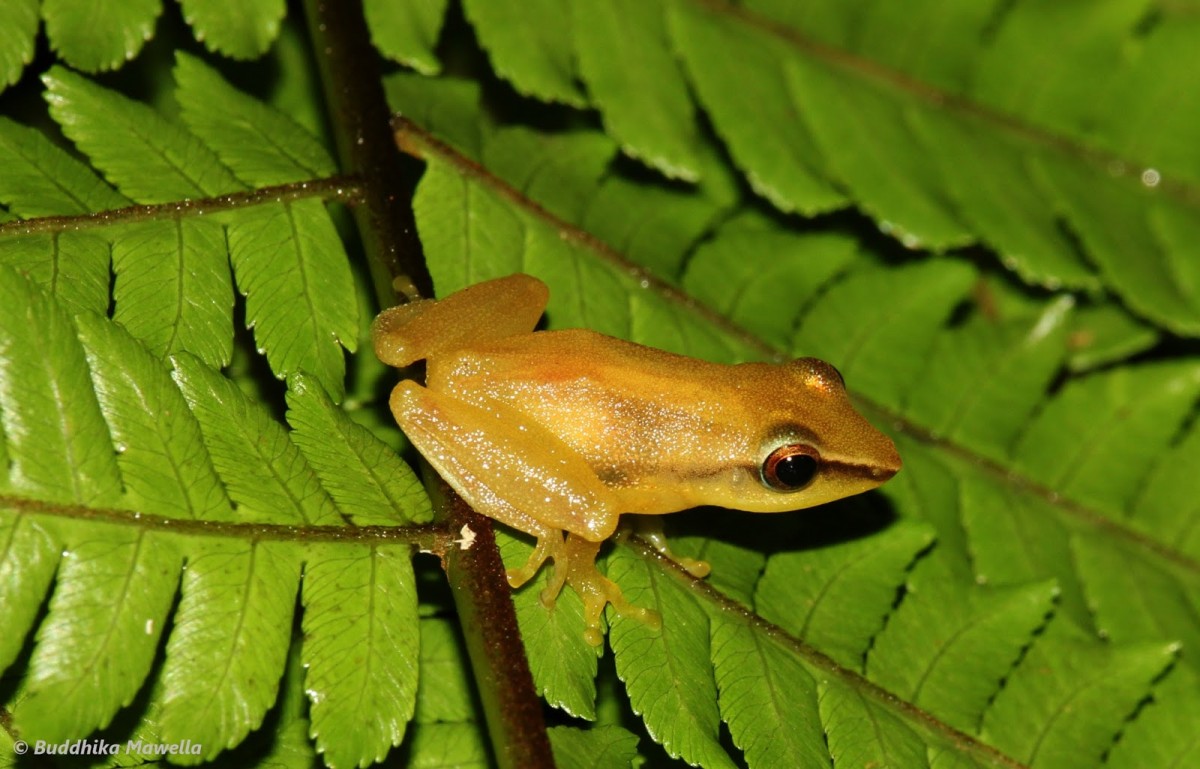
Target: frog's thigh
(491, 310)
(505, 466)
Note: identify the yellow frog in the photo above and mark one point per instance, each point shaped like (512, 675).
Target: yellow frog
(554, 432)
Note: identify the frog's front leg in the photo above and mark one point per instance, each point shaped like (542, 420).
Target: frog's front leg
(517, 472)
(650, 528)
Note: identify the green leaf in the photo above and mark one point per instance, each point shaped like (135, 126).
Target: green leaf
(1079, 442)
(71, 265)
(173, 290)
(18, 35)
(666, 669)
(992, 376)
(753, 275)
(624, 58)
(1068, 699)
(95, 36)
(857, 134)
(436, 746)
(28, 557)
(1011, 537)
(229, 642)
(947, 649)
(263, 471)
(562, 663)
(407, 31)
(1165, 737)
(1164, 508)
(1103, 333)
(861, 733)
(837, 597)
(1134, 597)
(300, 300)
(744, 91)
(41, 179)
(365, 477)
(536, 58)
(110, 603)
(159, 446)
(653, 224)
(1023, 145)
(291, 748)
(242, 29)
(147, 157)
(767, 697)
(561, 171)
(1116, 219)
(449, 103)
(880, 346)
(360, 650)
(259, 144)
(1003, 200)
(601, 747)
(444, 692)
(58, 445)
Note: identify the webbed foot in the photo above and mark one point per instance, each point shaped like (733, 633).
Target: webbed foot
(575, 565)
(596, 590)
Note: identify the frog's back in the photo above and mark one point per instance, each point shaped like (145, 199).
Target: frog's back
(633, 412)
(578, 362)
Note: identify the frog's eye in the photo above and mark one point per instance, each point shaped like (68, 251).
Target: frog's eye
(791, 467)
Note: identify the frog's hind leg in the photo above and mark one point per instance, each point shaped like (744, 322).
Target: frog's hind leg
(575, 565)
(495, 309)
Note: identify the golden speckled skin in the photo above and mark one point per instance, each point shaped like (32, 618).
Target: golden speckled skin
(554, 431)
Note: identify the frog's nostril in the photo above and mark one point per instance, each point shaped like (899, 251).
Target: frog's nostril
(881, 474)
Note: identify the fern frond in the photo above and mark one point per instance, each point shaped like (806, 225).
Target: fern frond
(1022, 594)
(895, 327)
(625, 58)
(200, 453)
(242, 29)
(18, 36)
(406, 32)
(99, 36)
(537, 58)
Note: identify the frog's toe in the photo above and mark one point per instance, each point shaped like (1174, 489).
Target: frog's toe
(597, 591)
(549, 595)
(519, 576)
(549, 545)
(697, 568)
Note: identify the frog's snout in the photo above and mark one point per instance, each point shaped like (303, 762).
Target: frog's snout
(888, 461)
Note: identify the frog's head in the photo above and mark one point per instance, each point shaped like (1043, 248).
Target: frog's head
(812, 446)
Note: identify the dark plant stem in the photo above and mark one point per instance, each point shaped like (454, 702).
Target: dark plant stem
(489, 625)
(351, 78)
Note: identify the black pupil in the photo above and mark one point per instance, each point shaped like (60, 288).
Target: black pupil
(795, 470)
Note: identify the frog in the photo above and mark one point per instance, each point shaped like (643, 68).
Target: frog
(559, 433)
